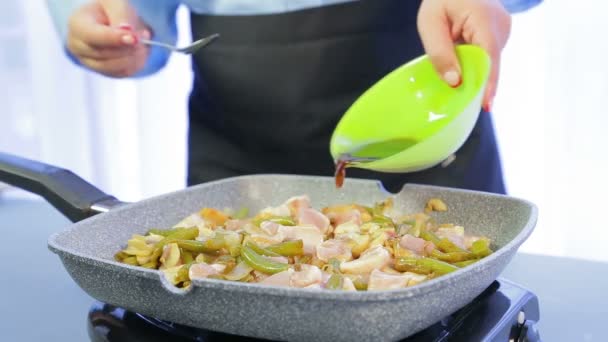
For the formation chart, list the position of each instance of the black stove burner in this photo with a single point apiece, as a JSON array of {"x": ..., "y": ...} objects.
[{"x": 503, "y": 312}]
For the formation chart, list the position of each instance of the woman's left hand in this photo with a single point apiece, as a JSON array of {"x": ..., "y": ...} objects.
[{"x": 485, "y": 23}]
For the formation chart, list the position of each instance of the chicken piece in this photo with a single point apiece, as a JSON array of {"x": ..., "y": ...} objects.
[
  {"x": 295, "y": 204},
  {"x": 379, "y": 237},
  {"x": 269, "y": 233},
  {"x": 202, "y": 270},
  {"x": 469, "y": 239},
  {"x": 310, "y": 216},
  {"x": 171, "y": 256},
  {"x": 454, "y": 234},
  {"x": 279, "y": 279},
  {"x": 270, "y": 228},
  {"x": 280, "y": 259},
  {"x": 339, "y": 214},
  {"x": 264, "y": 240},
  {"x": 236, "y": 225},
  {"x": 220, "y": 268},
  {"x": 358, "y": 243},
  {"x": 194, "y": 220},
  {"x": 282, "y": 210},
  {"x": 379, "y": 280},
  {"x": 337, "y": 249},
  {"x": 308, "y": 275},
  {"x": 416, "y": 245},
  {"x": 310, "y": 235},
  {"x": 373, "y": 258},
  {"x": 347, "y": 284},
  {"x": 153, "y": 239},
  {"x": 347, "y": 228}
]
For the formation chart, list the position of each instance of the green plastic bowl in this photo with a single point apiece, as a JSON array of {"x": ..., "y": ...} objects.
[{"x": 412, "y": 120}]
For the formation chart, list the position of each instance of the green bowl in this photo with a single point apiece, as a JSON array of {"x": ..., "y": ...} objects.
[{"x": 411, "y": 119}]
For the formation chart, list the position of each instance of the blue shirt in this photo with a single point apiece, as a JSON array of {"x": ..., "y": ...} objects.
[{"x": 160, "y": 15}]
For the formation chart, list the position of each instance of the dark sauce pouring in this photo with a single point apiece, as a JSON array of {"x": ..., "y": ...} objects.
[{"x": 369, "y": 152}]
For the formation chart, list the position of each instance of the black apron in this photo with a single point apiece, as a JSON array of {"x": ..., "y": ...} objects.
[{"x": 269, "y": 92}]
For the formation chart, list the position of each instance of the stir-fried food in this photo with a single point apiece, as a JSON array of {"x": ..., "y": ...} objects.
[{"x": 341, "y": 247}]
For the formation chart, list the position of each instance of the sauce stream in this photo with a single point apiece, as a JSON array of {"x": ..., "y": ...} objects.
[{"x": 370, "y": 152}]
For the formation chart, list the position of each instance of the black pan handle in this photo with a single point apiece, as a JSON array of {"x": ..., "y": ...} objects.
[{"x": 71, "y": 195}]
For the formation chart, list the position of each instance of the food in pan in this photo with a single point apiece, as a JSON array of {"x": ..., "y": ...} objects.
[{"x": 340, "y": 247}]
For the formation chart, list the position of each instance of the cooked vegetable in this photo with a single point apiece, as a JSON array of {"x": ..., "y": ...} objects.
[
  {"x": 426, "y": 264},
  {"x": 282, "y": 220},
  {"x": 260, "y": 263},
  {"x": 288, "y": 248},
  {"x": 335, "y": 282},
  {"x": 344, "y": 247},
  {"x": 435, "y": 204}
]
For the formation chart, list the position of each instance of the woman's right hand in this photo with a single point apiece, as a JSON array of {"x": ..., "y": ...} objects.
[{"x": 103, "y": 35}]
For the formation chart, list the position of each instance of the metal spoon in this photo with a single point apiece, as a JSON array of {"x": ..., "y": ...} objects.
[{"x": 188, "y": 50}]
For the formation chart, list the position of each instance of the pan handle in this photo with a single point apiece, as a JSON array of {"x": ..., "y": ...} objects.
[{"x": 71, "y": 195}]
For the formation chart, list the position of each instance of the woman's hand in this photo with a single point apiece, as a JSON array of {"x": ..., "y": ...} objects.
[
  {"x": 442, "y": 23},
  {"x": 103, "y": 36}
]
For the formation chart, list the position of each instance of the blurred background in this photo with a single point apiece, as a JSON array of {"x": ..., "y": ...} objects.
[{"x": 129, "y": 137}]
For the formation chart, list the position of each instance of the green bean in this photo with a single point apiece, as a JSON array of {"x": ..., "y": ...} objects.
[
  {"x": 481, "y": 248},
  {"x": 130, "y": 260},
  {"x": 183, "y": 274},
  {"x": 383, "y": 220},
  {"x": 452, "y": 257},
  {"x": 151, "y": 265},
  {"x": 335, "y": 282},
  {"x": 259, "y": 263},
  {"x": 404, "y": 264},
  {"x": 158, "y": 251},
  {"x": 167, "y": 232},
  {"x": 288, "y": 248},
  {"x": 208, "y": 246},
  {"x": 186, "y": 256},
  {"x": 360, "y": 283},
  {"x": 436, "y": 266},
  {"x": 429, "y": 236},
  {"x": 241, "y": 213},
  {"x": 176, "y": 234},
  {"x": 445, "y": 245},
  {"x": 120, "y": 256},
  {"x": 465, "y": 263},
  {"x": 282, "y": 220},
  {"x": 335, "y": 264},
  {"x": 261, "y": 251}
]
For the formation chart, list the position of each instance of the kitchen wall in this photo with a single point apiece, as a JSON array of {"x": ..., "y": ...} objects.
[{"x": 128, "y": 137}]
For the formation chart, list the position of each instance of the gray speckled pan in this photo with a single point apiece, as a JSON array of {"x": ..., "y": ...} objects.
[{"x": 86, "y": 249}]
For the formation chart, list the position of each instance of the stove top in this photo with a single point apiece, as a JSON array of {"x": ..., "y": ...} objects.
[{"x": 503, "y": 312}]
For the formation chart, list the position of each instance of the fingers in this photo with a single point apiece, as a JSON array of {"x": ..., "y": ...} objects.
[
  {"x": 487, "y": 42},
  {"x": 80, "y": 48},
  {"x": 88, "y": 25},
  {"x": 491, "y": 33},
  {"x": 109, "y": 50},
  {"x": 434, "y": 28},
  {"x": 122, "y": 66}
]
